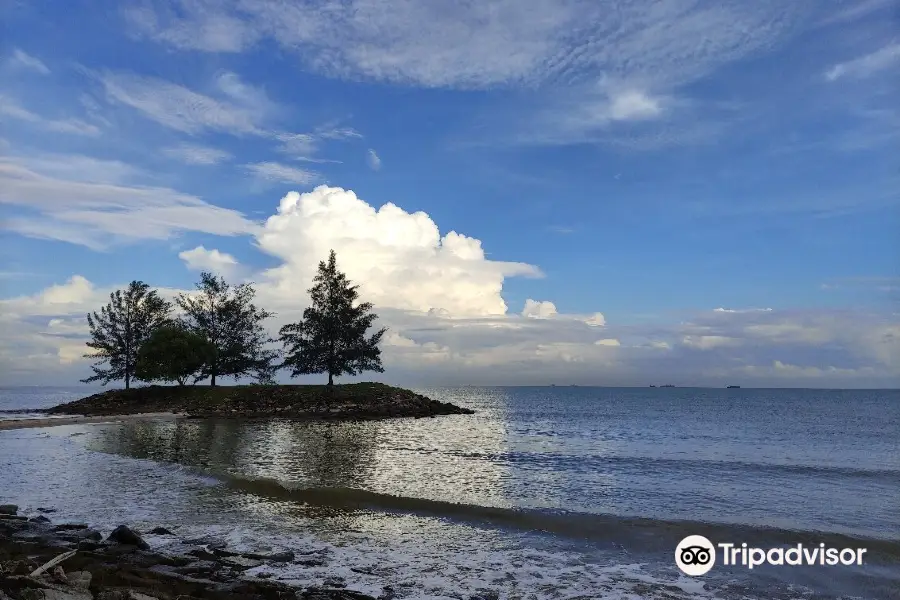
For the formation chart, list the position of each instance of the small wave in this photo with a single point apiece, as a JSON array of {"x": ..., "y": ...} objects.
[{"x": 644, "y": 534}]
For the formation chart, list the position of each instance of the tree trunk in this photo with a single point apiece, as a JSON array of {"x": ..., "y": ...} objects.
[
  {"x": 127, "y": 380},
  {"x": 212, "y": 379},
  {"x": 330, "y": 379}
]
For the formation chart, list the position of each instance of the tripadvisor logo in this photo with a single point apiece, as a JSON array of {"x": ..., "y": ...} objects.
[{"x": 695, "y": 555}]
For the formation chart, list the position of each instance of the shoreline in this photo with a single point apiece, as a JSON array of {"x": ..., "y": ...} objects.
[
  {"x": 12, "y": 424},
  {"x": 72, "y": 561}
]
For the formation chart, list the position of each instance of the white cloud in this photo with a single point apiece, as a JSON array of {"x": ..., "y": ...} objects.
[
  {"x": 538, "y": 310},
  {"x": 194, "y": 154},
  {"x": 182, "y": 109},
  {"x": 400, "y": 259},
  {"x": 201, "y": 259},
  {"x": 633, "y": 105},
  {"x": 93, "y": 203},
  {"x": 272, "y": 171},
  {"x": 11, "y": 109},
  {"x": 867, "y": 65},
  {"x": 373, "y": 159},
  {"x": 205, "y": 28},
  {"x": 481, "y": 45},
  {"x": 708, "y": 342},
  {"x": 21, "y": 60}
]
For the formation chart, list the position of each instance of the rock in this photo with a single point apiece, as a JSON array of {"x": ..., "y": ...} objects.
[
  {"x": 201, "y": 567},
  {"x": 70, "y": 526},
  {"x": 58, "y": 575},
  {"x": 123, "y": 535},
  {"x": 160, "y": 531},
  {"x": 311, "y": 562},
  {"x": 80, "y": 579},
  {"x": 387, "y": 593},
  {"x": 13, "y": 517},
  {"x": 325, "y": 594},
  {"x": 286, "y": 556},
  {"x": 39, "y": 519},
  {"x": 46, "y": 510},
  {"x": 88, "y": 545},
  {"x": 485, "y": 594},
  {"x": 8, "y": 509},
  {"x": 335, "y": 582},
  {"x": 241, "y": 562}
]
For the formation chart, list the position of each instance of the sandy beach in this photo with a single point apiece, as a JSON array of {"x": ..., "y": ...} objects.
[{"x": 80, "y": 420}]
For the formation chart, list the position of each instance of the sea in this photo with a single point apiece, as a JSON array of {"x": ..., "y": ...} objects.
[{"x": 543, "y": 493}]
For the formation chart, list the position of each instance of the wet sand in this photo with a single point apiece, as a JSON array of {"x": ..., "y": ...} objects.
[{"x": 81, "y": 420}]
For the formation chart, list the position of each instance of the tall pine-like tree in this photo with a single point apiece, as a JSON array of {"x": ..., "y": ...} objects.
[
  {"x": 119, "y": 330},
  {"x": 331, "y": 338},
  {"x": 226, "y": 317}
]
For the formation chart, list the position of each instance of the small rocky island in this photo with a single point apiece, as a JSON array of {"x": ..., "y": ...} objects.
[{"x": 357, "y": 401}]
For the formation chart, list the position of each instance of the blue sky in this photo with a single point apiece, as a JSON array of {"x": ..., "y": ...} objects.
[{"x": 648, "y": 161}]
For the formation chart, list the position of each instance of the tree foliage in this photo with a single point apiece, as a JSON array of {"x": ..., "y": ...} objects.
[
  {"x": 173, "y": 354},
  {"x": 226, "y": 317},
  {"x": 331, "y": 337},
  {"x": 119, "y": 330}
]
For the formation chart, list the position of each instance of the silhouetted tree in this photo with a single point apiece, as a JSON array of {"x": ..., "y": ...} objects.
[
  {"x": 331, "y": 338},
  {"x": 173, "y": 354},
  {"x": 120, "y": 329},
  {"x": 226, "y": 317}
]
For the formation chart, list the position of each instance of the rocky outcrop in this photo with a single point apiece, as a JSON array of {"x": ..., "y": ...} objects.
[
  {"x": 356, "y": 401},
  {"x": 39, "y": 561}
]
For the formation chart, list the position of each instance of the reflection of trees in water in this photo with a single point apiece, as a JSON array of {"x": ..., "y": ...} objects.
[{"x": 299, "y": 454}]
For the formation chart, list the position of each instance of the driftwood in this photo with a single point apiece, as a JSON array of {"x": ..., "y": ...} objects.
[{"x": 52, "y": 563}]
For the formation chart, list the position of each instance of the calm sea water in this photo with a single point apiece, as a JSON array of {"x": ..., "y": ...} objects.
[{"x": 563, "y": 492}]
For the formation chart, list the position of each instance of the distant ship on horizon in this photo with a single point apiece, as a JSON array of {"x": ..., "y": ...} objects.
[
  {"x": 667, "y": 385},
  {"x": 733, "y": 387}
]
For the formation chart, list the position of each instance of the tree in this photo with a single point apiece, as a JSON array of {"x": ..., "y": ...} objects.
[
  {"x": 226, "y": 317},
  {"x": 173, "y": 354},
  {"x": 120, "y": 329},
  {"x": 331, "y": 337}
]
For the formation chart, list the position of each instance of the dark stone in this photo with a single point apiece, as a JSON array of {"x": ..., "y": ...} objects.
[
  {"x": 123, "y": 535},
  {"x": 286, "y": 556},
  {"x": 335, "y": 582},
  {"x": 485, "y": 594},
  {"x": 160, "y": 531},
  {"x": 70, "y": 526},
  {"x": 326, "y": 594},
  {"x": 8, "y": 509},
  {"x": 46, "y": 510},
  {"x": 201, "y": 567},
  {"x": 387, "y": 593},
  {"x": 39, "y": 519},
  {"x": 311, "y": 562},
  {"x": 13, "y": 517},
  {"x": 87, "y": 545}
]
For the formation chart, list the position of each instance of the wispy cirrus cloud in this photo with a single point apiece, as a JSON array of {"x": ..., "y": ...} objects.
[
  {"x": 281, "y": 173},
  {"x": 195, "y": 154},
  {"x": 12, "y": 110},
  {"x": 21, "y": 60},
  {"x": 479, "y": 45},
  {"x": 179, "y": 108},
  {"x": 98, "y": 203},
  {"x": 865, "y": 66}
]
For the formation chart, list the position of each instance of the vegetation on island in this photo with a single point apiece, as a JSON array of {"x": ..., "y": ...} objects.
[{"x": 220, "y": 333}]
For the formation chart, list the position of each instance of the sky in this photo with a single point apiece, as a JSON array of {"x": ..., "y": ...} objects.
[{"x": 531, "y": 193}]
